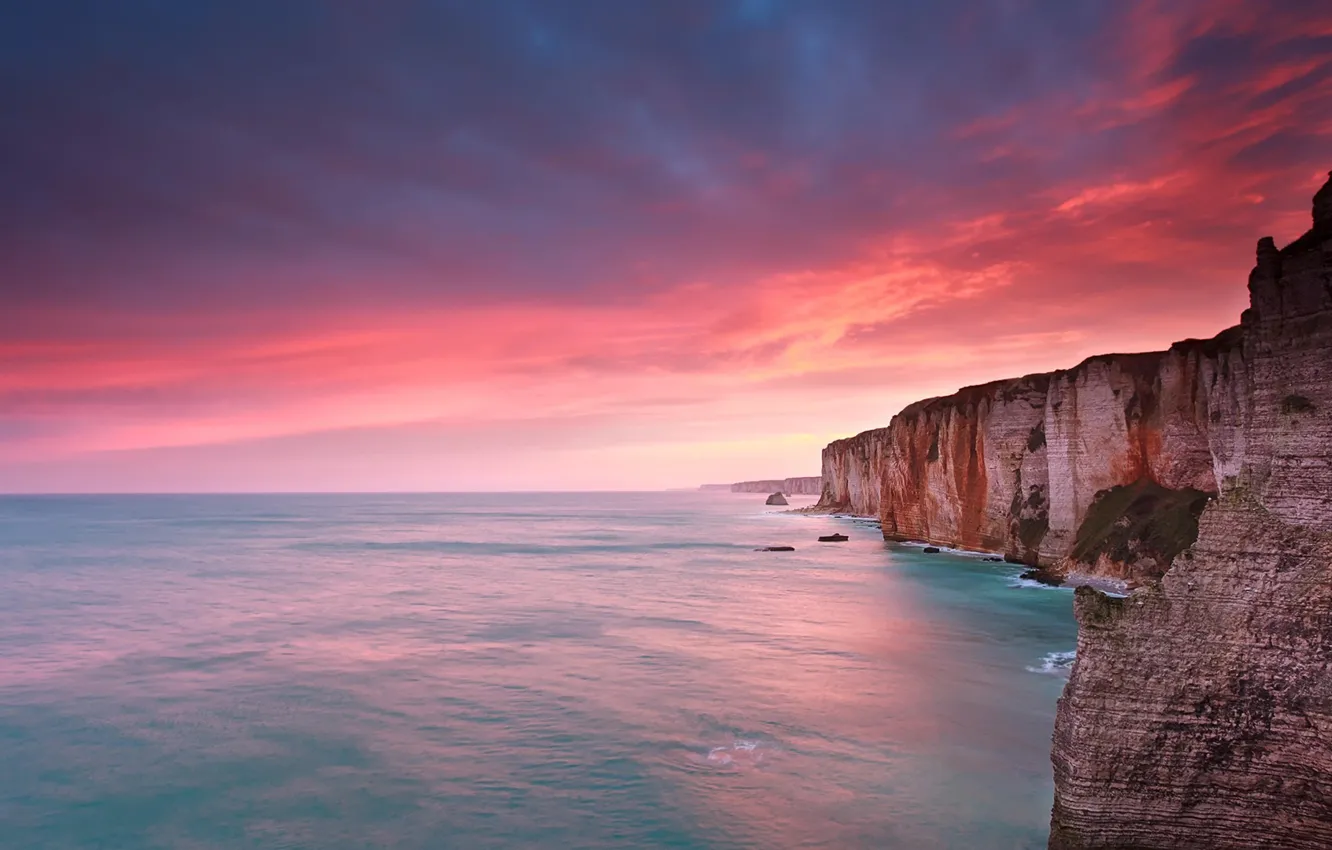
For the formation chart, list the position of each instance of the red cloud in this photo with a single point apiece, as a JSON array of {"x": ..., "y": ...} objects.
[{"x": 1121, "y": 215}]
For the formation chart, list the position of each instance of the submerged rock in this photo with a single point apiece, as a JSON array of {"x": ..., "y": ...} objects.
[
  {"x": 1044, "y": 576},
  {"x": 931, "y": 550},
  {"x": 777, "y": 499},
  {"x": 833, "y": 538}
]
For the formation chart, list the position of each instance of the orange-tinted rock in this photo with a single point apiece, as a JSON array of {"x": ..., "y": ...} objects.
[
  {"x": 1198, "y": 712},
  {"x": 1013, "y": 466}
]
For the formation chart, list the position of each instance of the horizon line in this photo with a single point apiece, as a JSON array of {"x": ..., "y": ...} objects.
[{"x": 8, "y": 493}]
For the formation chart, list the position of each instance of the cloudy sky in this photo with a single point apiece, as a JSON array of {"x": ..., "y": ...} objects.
[{"x": 600, "y": 244}]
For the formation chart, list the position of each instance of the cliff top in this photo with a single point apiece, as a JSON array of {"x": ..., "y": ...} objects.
[
  {"x": 1320, "y": 232},
  {"x": 1268, "y": 267},
  {"x": 1322, "y": 206}
]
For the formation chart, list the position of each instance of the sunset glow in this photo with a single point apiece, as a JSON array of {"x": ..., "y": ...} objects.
[{"x": 511, "y": 246}]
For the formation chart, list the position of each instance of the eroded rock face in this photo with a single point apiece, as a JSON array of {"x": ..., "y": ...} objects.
[
  {"x": 1198, "y": 713},
  {"x": 806, "y": 485},
  {"x": 1015, "y": 466},
  {"x": 853, "y": 474},
  {"x": 1199, "y": 710}
]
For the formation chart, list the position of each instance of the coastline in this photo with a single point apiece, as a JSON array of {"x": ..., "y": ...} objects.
[
  {"x": 1071, "y": 580},
  {"x": 1194, "y": 480}
]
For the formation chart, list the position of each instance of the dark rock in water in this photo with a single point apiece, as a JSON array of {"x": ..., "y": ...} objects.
[
  {"x": 1044, "y": 577},
  {"x": 995, "y": 559},
  {"x": 834, "y": 538},
  {"x": 931, "y": 550},
  {"x": 776, "y": 549},
  {"x": 777, "y": 499}
]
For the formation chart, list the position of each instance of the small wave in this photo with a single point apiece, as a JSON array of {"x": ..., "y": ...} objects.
[
  {"x": 740, "y": 753},
  {"x": 1055, "y": 663},
  {"x": 502, "y": 548},
  {"x": 1036, "y": 585},
  {"x": 947, "y": 550}
]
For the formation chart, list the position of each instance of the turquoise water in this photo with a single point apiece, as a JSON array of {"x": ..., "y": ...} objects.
[{"x": 526, "y": 671}]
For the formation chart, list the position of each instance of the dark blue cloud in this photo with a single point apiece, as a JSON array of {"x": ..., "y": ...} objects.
[{"x": 167, "y": 154}]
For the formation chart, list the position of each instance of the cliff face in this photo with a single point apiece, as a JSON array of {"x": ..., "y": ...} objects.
[
  {"x": 1199, "y": 710},
  {"x": 1017, "y": 466},
  {"x": 809, "y": 485},
  {"x": 853, "y": 472},
  {"x": 1041, "y": 467},
  {"x": 1198, "y": 713}
]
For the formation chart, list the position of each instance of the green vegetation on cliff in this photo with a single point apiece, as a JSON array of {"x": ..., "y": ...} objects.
[{"x": 1137, "y": 522}]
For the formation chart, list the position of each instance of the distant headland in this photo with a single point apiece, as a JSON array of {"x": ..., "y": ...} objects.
[{"x": 807, "y": 485}]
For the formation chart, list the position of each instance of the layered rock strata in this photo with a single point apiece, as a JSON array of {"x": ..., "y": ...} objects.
[
  {"x": 1198, "y": 713},
  {"x": 809, "y": 485},
  {"x": 1017, "y": 466},
  {"x": 853, "y": 473}
]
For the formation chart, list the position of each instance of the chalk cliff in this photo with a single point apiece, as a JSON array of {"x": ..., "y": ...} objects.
[
  {"x": 853, "y": 473},
  {"x": 809, "y": 485},
  {"x": 1198, "y": 713},
  {"x": 1199, "y": 709},
  {"x": 1033, "y": 467}
]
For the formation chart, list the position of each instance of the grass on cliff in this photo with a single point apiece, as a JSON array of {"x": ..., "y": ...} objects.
[
  {"x": 1036, "y": 440},
  {"x": 1140, "y": 519},
  {"x": 1297, "y": 404}
]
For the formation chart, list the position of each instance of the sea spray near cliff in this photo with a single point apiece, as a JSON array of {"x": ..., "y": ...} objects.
[{"x": 1056, "y": 663}]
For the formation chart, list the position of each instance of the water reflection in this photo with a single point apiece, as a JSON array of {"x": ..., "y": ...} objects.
[{"x": 510, "y": 671}]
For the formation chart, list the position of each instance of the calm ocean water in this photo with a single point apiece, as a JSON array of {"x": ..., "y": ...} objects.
[{"x": 525, "y": 671}]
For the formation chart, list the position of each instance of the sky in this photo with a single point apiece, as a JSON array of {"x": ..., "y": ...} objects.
[{"x": 542, "y": 245}]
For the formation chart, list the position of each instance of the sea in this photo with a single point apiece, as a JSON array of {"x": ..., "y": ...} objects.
[{"x": 542, "y": 670}]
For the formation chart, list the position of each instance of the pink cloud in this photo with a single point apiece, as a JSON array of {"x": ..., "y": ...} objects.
[{"x": 1068, "y": 251}]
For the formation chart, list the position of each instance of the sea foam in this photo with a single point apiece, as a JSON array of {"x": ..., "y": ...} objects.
[
  {"x": 1055, "y": 663},
  {"x": 740, "y": 752}
]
